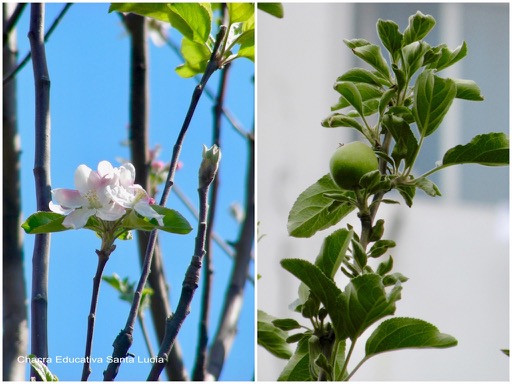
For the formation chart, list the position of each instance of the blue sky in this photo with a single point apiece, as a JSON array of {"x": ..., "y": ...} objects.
[{"x": 89, "y": 70}]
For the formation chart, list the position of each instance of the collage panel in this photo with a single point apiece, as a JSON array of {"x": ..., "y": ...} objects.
[{"x": 383, "y": 191}]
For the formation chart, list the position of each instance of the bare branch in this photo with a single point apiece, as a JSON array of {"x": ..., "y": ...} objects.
[
  {"x": 125, "y": 339},
  {"x": 234, "y": 296},
  {"x": 25, "y": 60},
  {"x": 190, "y": 282},
  {"x": 41, "y": 253}
]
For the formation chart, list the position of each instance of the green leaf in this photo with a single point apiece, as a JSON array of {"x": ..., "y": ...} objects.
[
  {"x": 367, "y": 302},
  {"x": 313, "y": 212},
  {"x": 491, "y": 149},
  {"x": 272, "y": 338},
  {"x": 173, "y": 221},
  {"x": 339, "y": 363},
  {"x": 468, "y": 90},
  {"x": 372, "y": 55},
  {"x": 406, "y": 143},
  {"x": 351, "y": 93},
  {"x": 286, "y": 324},
  {"x": 158, "y": 11},
  {"x": 336, "y": 120},
  {"x": 193, "y": 20},
  {"x": 240, "y": 11},
  {"x": 44, "y": 222},
  {"x": 322, "y": 287},
  {"x": 419, "y": 27},
  {"x": 196, "y": 57},
  {"x": 333, "y": 252},
  {"x": 360, "y": 75},
  {"x": 246, "y": 41},
  {"x": 448, "y": 57},
  {"x": 297, "y": 368},
  {"x": 403, "y": 332},
  {"x": 413, "y": 56},
  {"x": 380, "y": 247},
  {"x": 274, "y": 9},
  {"x": 391, "y": 37},
  {"x": 427, "y": 186},
  {"x": 41, "y": 369},
  {"x": 433, "y": 97},
  {"x": 359, "y": 254}
]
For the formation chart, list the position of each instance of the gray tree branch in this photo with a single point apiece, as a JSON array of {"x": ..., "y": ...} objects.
[{"x": 41, "y": 255}]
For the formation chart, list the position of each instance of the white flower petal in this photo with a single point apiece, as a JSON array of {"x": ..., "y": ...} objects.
[
  {"x": 68, "y": 198},
  {"x": 105, "y": 168},
  {"x": 144, "y": 209},
  {"x": 58, "y": 209},
  {"x": 82, "y": 175},
  {"x": 126, "y": 175},
  {"x": 78, "y": 218},
  {"x": 112, "y": 214}
]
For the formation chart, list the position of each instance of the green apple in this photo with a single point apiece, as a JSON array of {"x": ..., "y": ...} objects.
[{"x": 350, "y": 162}]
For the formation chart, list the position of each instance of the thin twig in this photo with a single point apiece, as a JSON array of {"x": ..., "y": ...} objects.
[
  {"x": 190, "y": 284},
  {"x": 233, "y": 303},
  {"x": 237, "y": 125},
  {"x": 103, "y": 256},
  {"x": 25, "y": 60},
  {"x": 199, "y": 371},
  {"x": 41, "y": 255},
  {"x": 124, "y": 340},
  {"x": 13, "y": 19}
]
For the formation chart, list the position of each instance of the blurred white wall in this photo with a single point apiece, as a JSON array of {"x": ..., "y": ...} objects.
[{"x": 454, "y": 249}]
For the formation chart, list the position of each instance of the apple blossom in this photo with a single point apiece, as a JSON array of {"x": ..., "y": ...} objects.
[
  {"x": 90, "y": 197},
  {"x": 129, "y": 195},
  {"x": 105, "y": 193}
]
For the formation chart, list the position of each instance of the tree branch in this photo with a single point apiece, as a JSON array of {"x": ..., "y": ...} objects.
[
  {"x": 190, "y": 282},
  {"x": 139, "y": 132},
  {"x": 41, "y": 255},
  {"x": 125, "y": 339},
  {"x": 234, "y": 297},
  {"x": 15, "y": 330},
  {"x": 200, "y": 363},
  {"x": 27, "y": 57}
]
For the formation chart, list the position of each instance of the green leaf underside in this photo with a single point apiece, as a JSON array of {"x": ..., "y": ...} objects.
[
  {"x": 433, "y": 97},
  {"x": 367, "y": 302},
  {"x": 322, "y": 287},
  {"x": 297, "y": 368},
  {"x": 491, "y": 149},
  {"x": 401, "y": 332},
  {"x": 158, "y": 11},
  {"x": 333, "y": 252},
  {"x": 41, "y": 369},
  {"x": 312, "y": 211},
  {"x": 271, "y": 337}
]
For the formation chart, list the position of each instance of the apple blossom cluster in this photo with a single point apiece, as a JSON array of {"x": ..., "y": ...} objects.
[{"x": 106, "y": 193}]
